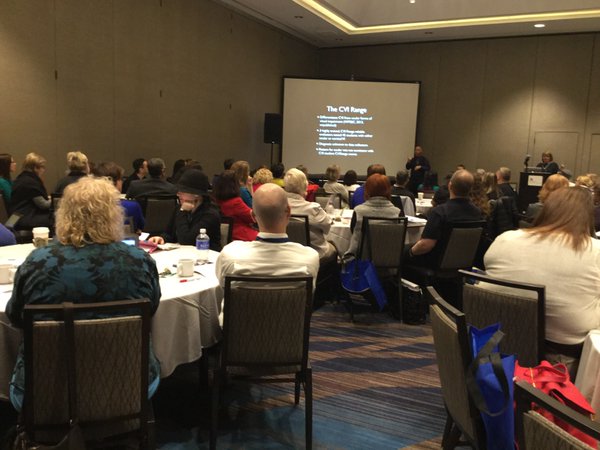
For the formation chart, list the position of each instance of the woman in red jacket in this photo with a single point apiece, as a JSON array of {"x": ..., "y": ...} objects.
[{"x": 227, "y": 195}]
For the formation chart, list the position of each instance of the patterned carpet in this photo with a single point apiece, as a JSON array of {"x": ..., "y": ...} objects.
[{"x": 375, "y": 387}]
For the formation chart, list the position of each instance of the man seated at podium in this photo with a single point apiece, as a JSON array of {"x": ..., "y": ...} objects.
[{"x": 548, "y": 164}]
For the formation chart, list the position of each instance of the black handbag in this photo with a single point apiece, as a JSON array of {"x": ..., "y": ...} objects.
[{"x": 73, "y": 440}]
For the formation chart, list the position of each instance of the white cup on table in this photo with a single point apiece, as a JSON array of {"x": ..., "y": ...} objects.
[
  {"x": 40, "y": 236},
  {"x": 421, "y": 195},
  {"x": 6, "y": 270},
  {"x": 185, "y": 267}
]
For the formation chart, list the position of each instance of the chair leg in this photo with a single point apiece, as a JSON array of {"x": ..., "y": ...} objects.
[
  {"x": 452, "y": 433},
  {"x": 214, "y": 379},
  {"x": 297, "y": 388},
  {"x": 308, "y": 407}
]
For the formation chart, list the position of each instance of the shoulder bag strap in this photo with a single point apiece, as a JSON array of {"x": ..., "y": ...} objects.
[{"x": 71, "y": 377}]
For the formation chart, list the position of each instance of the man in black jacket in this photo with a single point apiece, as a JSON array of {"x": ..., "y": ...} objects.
[
  {"x": 154, "y": 185},
  {"x": 418, "y": 166}
]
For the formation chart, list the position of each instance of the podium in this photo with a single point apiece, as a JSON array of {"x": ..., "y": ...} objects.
[{"x": 530, "y": 183}]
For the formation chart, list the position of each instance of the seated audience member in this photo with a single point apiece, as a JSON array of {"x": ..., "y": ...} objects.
[
  {"x": 584, "y": 181},
  {"x": 227, "y": 195},
  {"x": 227, "y": 163},
  {"x": 261, "y": 176},
  {"x": 457, "y": 209},
  {"x": 7, "y": 167},
  {"x": 311, "y": 188},
  {"x": 195, "y": 211},
  {"x": 242, "y": 174},
  {"x": 140, "y": 170},
  {"x": 418, "y": 166},
  {"x": 278, "y": 171},
  {"x": 559, "y": 253},
  {"x": 377, "y": 204},
  {"x": 271, "y": 254},
  {"x": 491, "y": 185},
  {"x": 331, "y": 186},
  {"x": 86, "y": 264},
  {"x": 177, "y": 166},
  {"x": 318, "y": 220},
  {"x": 399, "y": 187},
  {"x": 460, "y": 167},
  {"x": 29, "y": 197},
  {"x": 442, "y": 195},
  {"x": 78, "y": 167},
  {"x": 430, "y": 183},
  {"x": 154, "y": 185},
  {"x": 547, "y": 163},
  {"x": 504, "y": 187},
  {"x": 359, "y": 194},
  {"x": 6, "y": 236},
  {"x": 351, "y": 180},
  {"x": 132, "y": 209},
  {"x": 552, "y": 183}
]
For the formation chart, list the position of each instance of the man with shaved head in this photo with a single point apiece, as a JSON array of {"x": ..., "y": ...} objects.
[
  {"x": 272, "y": 254},
  {"x": 458, "y": 209}
]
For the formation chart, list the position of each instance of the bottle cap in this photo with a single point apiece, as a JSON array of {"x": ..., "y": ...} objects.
[{"x": 202, "y": 230}]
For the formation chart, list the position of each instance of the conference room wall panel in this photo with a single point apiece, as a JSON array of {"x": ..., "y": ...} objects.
[
  {"x": 85, "y": 82},
  {"x": 486, "y": 100},
  {"x": 175, "y": 79},
  {"x": 591, "y": 139},
  {"x": 458, "y": 109},
  {"x": 28, "y": 88},
  {"x": 137, "y": 80},
  {"x": 507, "y": 100}
]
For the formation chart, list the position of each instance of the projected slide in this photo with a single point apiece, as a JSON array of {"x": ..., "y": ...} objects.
[{"x": 348, "y": 123}]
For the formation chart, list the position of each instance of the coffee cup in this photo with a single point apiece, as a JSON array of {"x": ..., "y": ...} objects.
[
  {"x": 421, "y": 195},
  {"x": 40, "y": 236},
  {"x": 5, "y": 272},
  {"x": 185, "y": 267}
]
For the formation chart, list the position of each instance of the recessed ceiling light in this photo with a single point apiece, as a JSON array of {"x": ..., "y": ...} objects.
[
  {"x": 298, "y": 17},
  {"x": 412, "y": 2},
  {"x": 539, "y": 25}
]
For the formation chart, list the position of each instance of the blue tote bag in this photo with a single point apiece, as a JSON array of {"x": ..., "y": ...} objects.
[{"x": 490, "y": 383}]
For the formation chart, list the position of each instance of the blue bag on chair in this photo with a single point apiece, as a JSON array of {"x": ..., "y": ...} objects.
[
  {"x": 360, "y": 278},
  {"x": 490, "y": 383}
]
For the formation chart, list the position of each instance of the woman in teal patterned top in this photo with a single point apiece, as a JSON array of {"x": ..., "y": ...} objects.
[
  {"x": 7, "y": 167},
  {"x": 87, "y": 264}
]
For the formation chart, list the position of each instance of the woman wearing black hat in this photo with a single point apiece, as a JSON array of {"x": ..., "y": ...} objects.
[{"x": 196, "y": 211}]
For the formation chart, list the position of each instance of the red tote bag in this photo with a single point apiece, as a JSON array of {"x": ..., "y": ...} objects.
[{"x": 554, "y": 381}]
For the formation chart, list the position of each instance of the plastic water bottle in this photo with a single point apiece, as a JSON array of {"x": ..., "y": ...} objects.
[
  {"x": 329, "y": 209},
  {"x": 202, "y": 245}
]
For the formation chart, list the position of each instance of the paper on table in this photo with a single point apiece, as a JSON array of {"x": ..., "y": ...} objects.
[{"x": 416, "y": 219}]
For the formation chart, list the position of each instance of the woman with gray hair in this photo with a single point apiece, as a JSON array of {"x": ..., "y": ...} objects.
[
  {"x": 318, "y": 221},
  {"x": 78, "y": 167},
  {"x": 332, "y": 186}
]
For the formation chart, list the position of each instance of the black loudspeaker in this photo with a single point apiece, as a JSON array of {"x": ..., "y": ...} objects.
[{"x": 273, "y": 127}]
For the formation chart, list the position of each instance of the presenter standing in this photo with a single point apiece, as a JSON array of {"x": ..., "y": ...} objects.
[
  {"x": 548, "y": 164},
  {"x": 418, "y": 166}
]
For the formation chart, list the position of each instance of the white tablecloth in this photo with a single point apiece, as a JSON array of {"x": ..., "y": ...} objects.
[
  {"x": 187, "y": 318},
  {"x": 588, "y": 373},
  {"x": 423, "y": 206},
  {"x": 340, "y": 233}
]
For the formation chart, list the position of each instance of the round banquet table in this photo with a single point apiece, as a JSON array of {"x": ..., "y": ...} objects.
[{"x": 186, "y": 320}]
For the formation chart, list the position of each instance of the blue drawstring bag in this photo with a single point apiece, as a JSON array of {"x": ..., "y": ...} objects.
[
  {"x": 360, "y": 280},
  {"x": 490, "y": 383}
]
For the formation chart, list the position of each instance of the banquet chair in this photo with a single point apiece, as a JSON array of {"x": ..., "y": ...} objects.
[
  {"x": 323, "y": 198},
  {"x": 397, "y": 202},
  {"x": 226, "y": 230},
  {"x": 534, "y": 431},
  {"x": 265, "y": 336},
  {"x": 298, "y": 229},
  {"x": 382, "y": 243},
  {"x": 458, "y": 247},
  {"x": 3, "y": 210},
  {"x": 158, "y": 212},
  {"x": 453, "y": 355},
  {"x": 107, "y": 360},
  {"x": 520, "y": 309}
]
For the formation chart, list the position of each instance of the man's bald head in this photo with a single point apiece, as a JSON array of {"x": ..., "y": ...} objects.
[
  {"x": 270, "y": 208},
  {"x": 461, "y": 183}
]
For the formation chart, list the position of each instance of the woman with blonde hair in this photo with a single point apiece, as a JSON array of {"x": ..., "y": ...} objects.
[
  {"x": 29, "y": 196},
  {"x": 87, "y": 263},
  {"x": 261, "y": 176},
  {"x": 242, "y": 174},
  {"x": 560, "y": 253},
  {"x": 78, "y": 166},
  {"x": 552, "y": 183}
]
